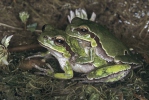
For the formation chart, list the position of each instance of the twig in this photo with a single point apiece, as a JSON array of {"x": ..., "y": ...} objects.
[
  {"x": 25, "y": 48},
  {"x": 16, "y": 28},
  {"x": 2, "y": 24}
]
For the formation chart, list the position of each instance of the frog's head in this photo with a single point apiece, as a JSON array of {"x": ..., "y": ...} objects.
[
  {"x": 54, "y": 39},
  {"x": 82, "y": 29}
]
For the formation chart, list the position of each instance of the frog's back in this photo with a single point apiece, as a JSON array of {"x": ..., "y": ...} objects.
[
  {"x": 112, "y": 45},
  {"x": 105, "y": 40}
]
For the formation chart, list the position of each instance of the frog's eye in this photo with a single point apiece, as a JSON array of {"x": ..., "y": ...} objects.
[
  {"x": 59, "y": 41},
  {"x": 83, "y": 29}
]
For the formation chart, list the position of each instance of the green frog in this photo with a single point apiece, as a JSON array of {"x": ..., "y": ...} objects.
[
  {"x": 104, "y": 45},
  {"x": 60, "y": 46},
  {"x": 55, "y": 41}
]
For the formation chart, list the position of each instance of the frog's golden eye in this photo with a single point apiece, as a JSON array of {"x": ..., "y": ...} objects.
[
  {"x": 83, "y": 29},
  {"x": 59, "y": 41}
]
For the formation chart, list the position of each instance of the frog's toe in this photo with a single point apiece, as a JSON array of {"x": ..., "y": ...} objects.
[
  {"x": 39, "y": 68},
  {"x": 44, "y": 71},
  {"x": 49, "y": 66}
]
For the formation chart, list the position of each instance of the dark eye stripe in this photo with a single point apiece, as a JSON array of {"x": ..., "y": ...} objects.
[
  {"x": 82, "y": 30},
  {"x": 64, "y": 44}
]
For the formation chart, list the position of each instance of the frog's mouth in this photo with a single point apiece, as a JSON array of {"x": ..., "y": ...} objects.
[
  {"x": 47, "y": 47},
  {"x": 61, "y": 53},
  {"x": 54, "y": 52},
  {"x": 44, "y": 46}
]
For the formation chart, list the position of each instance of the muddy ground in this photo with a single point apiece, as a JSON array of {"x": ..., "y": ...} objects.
[{"x": 127, "y": 20}]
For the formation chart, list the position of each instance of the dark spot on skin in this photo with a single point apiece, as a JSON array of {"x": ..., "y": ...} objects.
[
  {"x": 43, "y": 27},
  {"x": 125, "y": 52}
]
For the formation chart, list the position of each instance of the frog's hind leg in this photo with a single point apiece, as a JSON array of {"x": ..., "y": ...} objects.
[{"x": 109, "y": 73}]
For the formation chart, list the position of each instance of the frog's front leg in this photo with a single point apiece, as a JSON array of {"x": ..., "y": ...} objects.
[
  {"x": 85, "y": 53},
  {"x": 41, "y": 54},
  {"x": 43, "y": 70},
  {"x": 109, "y": 73},
  {"x": 68, "y": 72},
  {"x": 89, "y": 59}
]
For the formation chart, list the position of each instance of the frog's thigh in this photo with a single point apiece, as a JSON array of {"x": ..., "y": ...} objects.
[{"x": 110, "y": 73}]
